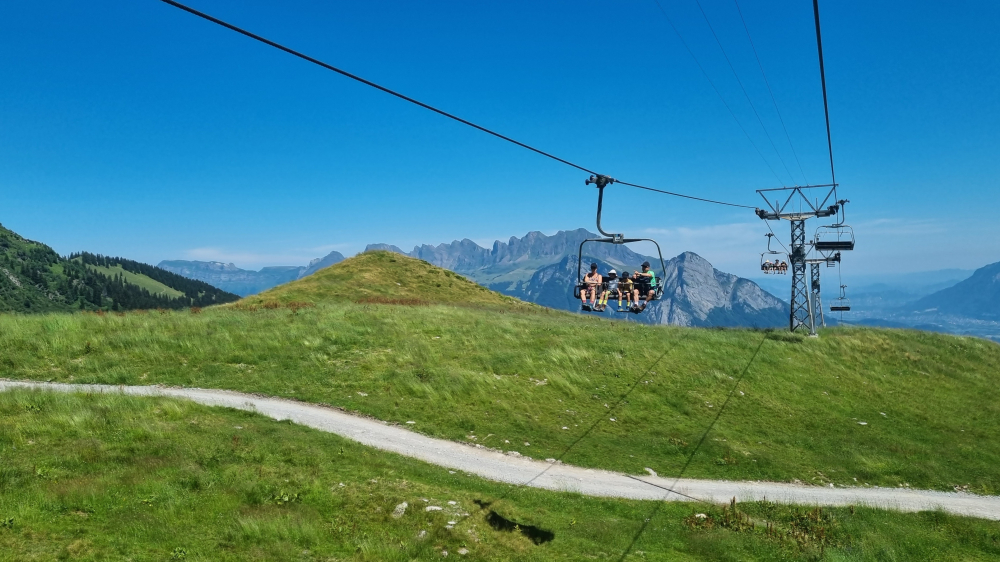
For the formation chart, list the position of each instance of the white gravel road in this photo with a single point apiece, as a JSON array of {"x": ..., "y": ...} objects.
[{"x": 509, "y": 468}]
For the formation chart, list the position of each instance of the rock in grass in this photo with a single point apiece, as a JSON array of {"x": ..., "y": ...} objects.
[{"x": 400, "y": 510}]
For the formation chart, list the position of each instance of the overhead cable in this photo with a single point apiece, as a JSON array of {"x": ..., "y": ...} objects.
[
  {"x": 768, "y": 84},
  {"x": 745, "y": 94},
  {"x": 822, "y": 77},
  {"x": 432, "y": 108},
  {"x": 370, "y": 83},
  {"x": 717, "y": 92},
  {"x": 768, "y": 223},
  {"x": 684, "y": 196}
]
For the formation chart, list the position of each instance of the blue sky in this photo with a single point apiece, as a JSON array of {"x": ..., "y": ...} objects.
[{"x": 131, "y": 128}]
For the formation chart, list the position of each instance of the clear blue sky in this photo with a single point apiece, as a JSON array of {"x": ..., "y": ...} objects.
[{"x": 132, "y": 128}]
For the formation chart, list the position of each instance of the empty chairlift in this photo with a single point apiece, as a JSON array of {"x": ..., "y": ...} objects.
[
  {"x": 842, "y": 304},
  {"x": 834, "y": 238},
  {"x": 837, "y": 237}
]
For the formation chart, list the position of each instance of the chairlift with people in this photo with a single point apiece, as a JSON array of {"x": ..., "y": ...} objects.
[
  {"x": 647, "y": 285},
  {"x": 778, "y": 267}
]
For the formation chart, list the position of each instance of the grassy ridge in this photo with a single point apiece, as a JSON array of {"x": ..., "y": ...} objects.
[
  {"x": 151, "y": 285},
  {"x": 386, "y": 277},
  {"x": 113, "y": 477},
  {"x": 536, "y": 382}
]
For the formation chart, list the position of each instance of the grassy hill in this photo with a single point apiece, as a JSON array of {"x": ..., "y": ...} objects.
[
  {"x": 154, "y": 287},
  {"x": 855, "y": 407},
  {"x": 34, "y": 278},
  {"x": 382, "y": 277},
  {"x": 120, "y": 478}
]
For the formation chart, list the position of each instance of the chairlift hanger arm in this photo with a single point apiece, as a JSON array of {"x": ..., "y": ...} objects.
[{"x": 601, "y": 182}]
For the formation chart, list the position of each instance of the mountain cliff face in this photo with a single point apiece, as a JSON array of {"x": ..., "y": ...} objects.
[
  {"x": 245, "y": 282},
  {"x": 384, "y": 248},
  {"x": 505, "y": 264},
  {"x": 319, "y": 263},
  {"x": 697, "y": 294},
  {"x": 694, "y": 294},
  {"x": 977, "y": 297},
  {"x": 543, "y": 269}
]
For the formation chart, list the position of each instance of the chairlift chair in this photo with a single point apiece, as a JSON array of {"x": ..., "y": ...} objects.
[
  {"x": 601, "y": 182},
  {"x": 775, "y": 269},
  {"x": 834, "y": 238},
  {"x": 842, "y": 304},
  {"x": 837, "y": 237}
]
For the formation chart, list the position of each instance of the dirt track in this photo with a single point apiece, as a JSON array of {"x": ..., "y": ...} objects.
[{"x": 540, "y": 474}]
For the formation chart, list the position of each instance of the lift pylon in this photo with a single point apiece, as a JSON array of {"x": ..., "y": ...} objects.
[{"x": 796, "y": 208}]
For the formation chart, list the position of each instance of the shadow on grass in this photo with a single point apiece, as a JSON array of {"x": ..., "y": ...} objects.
[{"x": 501, "y": 523}]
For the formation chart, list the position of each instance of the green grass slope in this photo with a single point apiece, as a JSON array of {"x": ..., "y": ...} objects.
[
  {"x": 385, "y": 277},
  {"x": 854, "y": 407},
  {"x": 120, "y": 478},
  {"x": 153, "y": 286},
  {"x": 34, "y": 278}
]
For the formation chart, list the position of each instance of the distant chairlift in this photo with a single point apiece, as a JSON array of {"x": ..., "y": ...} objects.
[
  {"x": 601, "y": 182},
  {"x": 837, "y": 237},
  {"x": 766, "y": 265},
  {"x": 842, "y": 304}
]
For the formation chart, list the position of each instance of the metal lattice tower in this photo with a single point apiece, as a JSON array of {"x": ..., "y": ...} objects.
[
  {"x": 817, "y": 298},
  {"x": 800, "y": 297},
  {"x": 806, "y": 302}
]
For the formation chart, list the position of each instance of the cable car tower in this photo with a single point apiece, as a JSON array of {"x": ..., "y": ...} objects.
[
  {"x": 796, "y": 208},
  {"x": 801, "y": 204}
]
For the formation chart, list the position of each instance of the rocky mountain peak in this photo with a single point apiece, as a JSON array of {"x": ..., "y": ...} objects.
[{"x": 384, "y": 247}]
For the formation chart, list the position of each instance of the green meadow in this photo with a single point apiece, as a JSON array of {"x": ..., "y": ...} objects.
[
  {"x": 399, "y": 340},
  {"x": 151, "y": 285},
  {"x": 108, "y": 477}
]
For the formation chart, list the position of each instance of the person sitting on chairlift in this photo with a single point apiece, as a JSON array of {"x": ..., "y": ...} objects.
[
  {"x": 766, "y": 267},
  {"x": 625, "y": 287},
  {"x": 783, "y": 267},
  {"x": 591, "y": 283},
  {"x": 610, "y": 288},
  {"x": 645, "y": 280}
]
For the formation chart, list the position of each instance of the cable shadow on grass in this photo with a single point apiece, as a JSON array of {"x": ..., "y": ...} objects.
[
  {"x": 704, "y": 436},
  {"x": 539, "y": 536},
  {"x": 600, "y": 419}
]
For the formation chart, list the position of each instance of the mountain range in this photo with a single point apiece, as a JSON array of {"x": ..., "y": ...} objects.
[
  {"x": 543, "y": 269},
  {"x": 952, "y": 301},
  {"x": 977, "y": 297},
  {"x": 245, "y": 282}
]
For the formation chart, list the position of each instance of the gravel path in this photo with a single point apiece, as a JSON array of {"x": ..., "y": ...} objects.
[{"x": 502, "y": 467}]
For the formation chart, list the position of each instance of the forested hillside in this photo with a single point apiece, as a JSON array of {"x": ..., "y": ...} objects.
[{"x": 34, "y": 278}]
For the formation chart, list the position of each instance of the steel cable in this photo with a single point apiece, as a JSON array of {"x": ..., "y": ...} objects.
[
  {"x": 704, "y": 436},
  {"x": 822, "y": 77},
  {"x": 768, "y": 84},
  {"x": 430, "y": 107},
  {"x": 745, "y": 94},
  {"x": 716, "y": 89}
]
